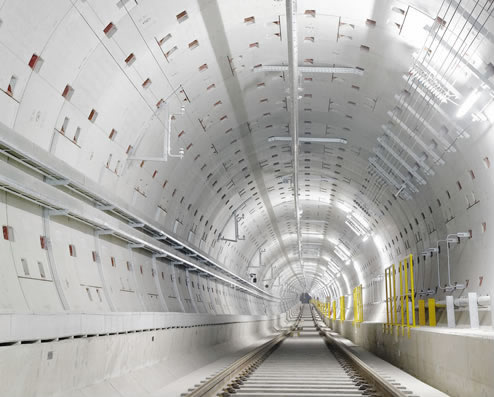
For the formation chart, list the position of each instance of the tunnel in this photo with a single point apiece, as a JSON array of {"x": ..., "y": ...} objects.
[{"x": 231, "y": 197}]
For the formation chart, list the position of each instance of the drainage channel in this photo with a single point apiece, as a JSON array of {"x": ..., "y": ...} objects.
[{"x": 301, "y": 364}]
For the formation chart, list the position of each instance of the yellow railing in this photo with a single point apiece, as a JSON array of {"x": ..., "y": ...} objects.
[
  {"x": 405, "y": 317},
  {"x": 358, "y": 306},
  {"x": 400, "y": 301},
  {"x": 328, "y": 309},
  {"x": 323, "y": 308}
]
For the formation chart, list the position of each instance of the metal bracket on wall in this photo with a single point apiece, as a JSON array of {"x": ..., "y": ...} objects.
[{"x": 236, "y": 219}]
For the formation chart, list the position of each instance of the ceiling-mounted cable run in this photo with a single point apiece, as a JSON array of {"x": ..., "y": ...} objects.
[{"x": 291, "y": 27}]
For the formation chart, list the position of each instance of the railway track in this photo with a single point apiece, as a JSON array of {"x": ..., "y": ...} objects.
[{"x": 302, "y": 362}]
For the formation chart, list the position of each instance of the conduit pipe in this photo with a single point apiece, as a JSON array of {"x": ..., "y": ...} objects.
[
  {"x": 308, "y": 139},
  {"x": 291, "y": 27},
  {"x": 450, "y": 238},
  {"x": 484, "y": 301}
]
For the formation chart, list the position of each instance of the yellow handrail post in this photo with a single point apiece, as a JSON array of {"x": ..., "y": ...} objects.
[
  {"x": 390, "y": 326},
  {"x": 401, "y": 301},
  {"x": 432, "y": 312},
  {"x": 405, "y": 265},
  {"x": 387, "y": 306},
  {"x": 361, "y": 304},
  {"x": 412, "y": 292},
  {"x": 334, "y": 310},
  {"x": 342, "y": 308},
  {"x": 394, "y": 296},
  {"x": 358, "y": 314},
  {"x": 421, "y": 312}
]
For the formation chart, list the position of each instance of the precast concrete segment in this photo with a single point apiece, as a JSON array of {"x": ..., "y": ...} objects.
[{"x": 303, "y": 366}]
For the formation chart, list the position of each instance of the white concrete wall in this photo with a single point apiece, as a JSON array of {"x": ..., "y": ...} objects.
[
  {"x": 137, "y": 363},
  {"x": 101, "y": 275},
  {"x": 457, "y": 362}
]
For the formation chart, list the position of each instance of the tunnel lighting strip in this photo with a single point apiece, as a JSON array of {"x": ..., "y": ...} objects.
[{"x": 25, "y": 152}]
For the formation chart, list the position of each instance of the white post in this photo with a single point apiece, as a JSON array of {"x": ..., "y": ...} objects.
[
  {"x": 450, "y": 311},
  {"x": 473, "y": 310},
  {"x": 492, "y": 310}
]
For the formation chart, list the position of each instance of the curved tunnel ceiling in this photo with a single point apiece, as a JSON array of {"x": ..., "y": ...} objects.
[{"x": 109, "y": 75}]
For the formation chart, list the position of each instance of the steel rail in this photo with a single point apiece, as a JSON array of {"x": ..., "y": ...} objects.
[
  {"x": 242, "y": 373},
  {"x": 381, "y": 383},
  {"x": 213, "y": 385}
]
